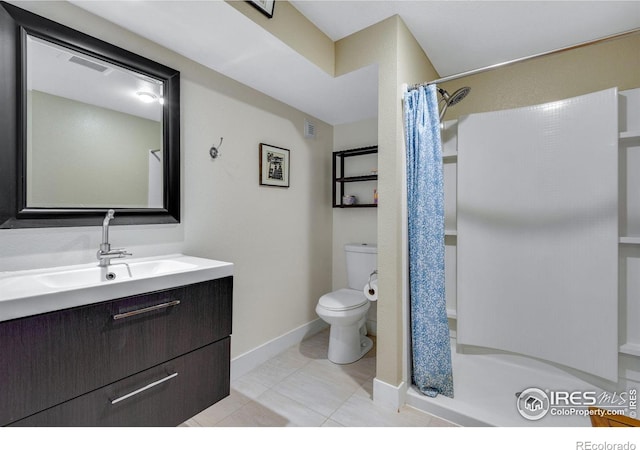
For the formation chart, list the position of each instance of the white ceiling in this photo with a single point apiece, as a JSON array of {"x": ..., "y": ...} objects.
[{"x": 456, "y": 36}]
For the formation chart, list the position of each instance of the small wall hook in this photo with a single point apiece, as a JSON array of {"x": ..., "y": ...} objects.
[{"x": 215, "y": 151}]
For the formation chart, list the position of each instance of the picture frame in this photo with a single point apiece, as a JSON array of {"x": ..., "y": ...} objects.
[
  {"x": 266, "y": 7},
  {"x": 274, "y": 166}
]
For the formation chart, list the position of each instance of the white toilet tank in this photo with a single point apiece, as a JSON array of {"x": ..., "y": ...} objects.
[{"x": 362, "y": 259}]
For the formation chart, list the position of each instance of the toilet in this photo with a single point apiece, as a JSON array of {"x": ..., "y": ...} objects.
[{"x": 345, "y": 310}]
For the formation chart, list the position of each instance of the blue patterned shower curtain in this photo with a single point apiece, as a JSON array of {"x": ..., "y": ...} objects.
[{"x": 431, "y": 352}]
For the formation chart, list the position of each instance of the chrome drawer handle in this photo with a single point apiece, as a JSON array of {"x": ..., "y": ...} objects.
[
  {"x": 142, "y": 389},
  {"x": 146, "y": 310}
]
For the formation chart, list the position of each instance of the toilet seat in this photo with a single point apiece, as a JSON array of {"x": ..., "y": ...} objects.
[{"x": 343, "y": 300}]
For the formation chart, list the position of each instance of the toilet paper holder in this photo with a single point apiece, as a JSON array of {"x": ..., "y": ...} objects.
[{"x": 371, "y": 291}]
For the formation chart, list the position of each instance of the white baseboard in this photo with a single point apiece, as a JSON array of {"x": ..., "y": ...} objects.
[
  {"x": 389, "y": 396},
  {"x": 248, "y": 361}
]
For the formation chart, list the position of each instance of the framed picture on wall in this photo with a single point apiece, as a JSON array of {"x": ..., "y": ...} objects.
[
  {"x": 264, "y": 6},
  {"x": 274, "y": 166}
]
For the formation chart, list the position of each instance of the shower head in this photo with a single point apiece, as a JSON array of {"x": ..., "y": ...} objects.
[
  {"x": 452, "y": 99},
  {"x": 458, "y": 95}
]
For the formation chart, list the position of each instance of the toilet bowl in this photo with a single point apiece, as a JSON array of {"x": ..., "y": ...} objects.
[{"x": 345, "y": 310}]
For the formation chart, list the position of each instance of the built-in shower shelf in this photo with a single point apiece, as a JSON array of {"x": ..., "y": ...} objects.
[
  {"x": 630, "y": 349},
  {"x": 449, "y": 158},
  {"x": 449, "y": 232},
  {"x": 452, "y": 313},
  {"x": 630, "y": 135},
  {"x": 630, "y": 239}
]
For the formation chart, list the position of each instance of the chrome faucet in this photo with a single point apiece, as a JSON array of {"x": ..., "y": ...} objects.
[{"x": 106, "y": 254}]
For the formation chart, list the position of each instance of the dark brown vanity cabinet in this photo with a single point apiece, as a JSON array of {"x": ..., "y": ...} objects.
[{"x": 154, "y": 359}]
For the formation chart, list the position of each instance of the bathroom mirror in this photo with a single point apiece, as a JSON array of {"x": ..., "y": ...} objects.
[{"x": 85, "y": 127}]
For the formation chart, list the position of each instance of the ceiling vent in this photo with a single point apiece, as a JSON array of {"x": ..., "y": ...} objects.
[
  {"x": 309, "y": 129},
  {"x": 90, "y": 64}
]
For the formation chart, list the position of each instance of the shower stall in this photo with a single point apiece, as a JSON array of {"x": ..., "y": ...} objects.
[{"x": 532, "y": 260}]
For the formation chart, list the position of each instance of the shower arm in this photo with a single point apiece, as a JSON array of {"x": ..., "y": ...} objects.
[
  {"x": 444, "y": 109},
  {"x": 445, "y": 99}
]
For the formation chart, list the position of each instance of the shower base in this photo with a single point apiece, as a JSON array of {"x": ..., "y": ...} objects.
[{"x": 485, "y": 387}]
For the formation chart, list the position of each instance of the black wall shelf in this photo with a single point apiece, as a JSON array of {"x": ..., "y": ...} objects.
[{"x": 339, "y": 180}]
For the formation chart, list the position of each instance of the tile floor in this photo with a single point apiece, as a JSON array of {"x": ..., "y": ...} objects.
[{"x": 301, "y": 388}]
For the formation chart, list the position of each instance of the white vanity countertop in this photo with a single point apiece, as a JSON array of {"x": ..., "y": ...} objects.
[{"x": 29, "y": 292}]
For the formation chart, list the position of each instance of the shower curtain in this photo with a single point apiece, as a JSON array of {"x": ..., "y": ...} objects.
[{"x": 430, "y": 346}]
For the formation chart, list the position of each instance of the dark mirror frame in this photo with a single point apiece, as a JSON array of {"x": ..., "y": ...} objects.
[{"x": 15, "y": 24}]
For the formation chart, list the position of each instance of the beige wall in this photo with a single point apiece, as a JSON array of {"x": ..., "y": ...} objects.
[
  {"x": 553, "y": 77},
  {"x": 279, "y": 239},
  {"x": 390, "y": 45},
  {"x": 356, "y": 225}
]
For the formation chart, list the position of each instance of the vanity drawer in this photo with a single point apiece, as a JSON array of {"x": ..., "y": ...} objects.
[
  {"x": 50, "y": 358},
  {"x": 165, "y": 395}
]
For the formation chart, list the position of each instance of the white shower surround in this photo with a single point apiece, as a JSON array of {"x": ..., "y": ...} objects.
[
  {"x": 538, "y": 232},
  {"x": 486, "y": 381}
]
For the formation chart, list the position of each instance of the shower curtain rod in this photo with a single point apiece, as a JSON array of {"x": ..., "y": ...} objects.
[{"x": 525, "y": 58}]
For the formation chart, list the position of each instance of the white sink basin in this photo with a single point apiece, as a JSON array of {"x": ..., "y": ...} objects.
[
  {"x": 117, "y": 271},
  {"x": 29, "y": 292}
]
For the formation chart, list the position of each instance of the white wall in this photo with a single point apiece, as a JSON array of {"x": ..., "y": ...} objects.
[
  {"x": 279, "y": 239},
  {"x": 354, "y": 225}
]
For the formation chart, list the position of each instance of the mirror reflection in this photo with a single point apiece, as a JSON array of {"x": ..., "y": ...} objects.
[{"x": 94, "y": 132}]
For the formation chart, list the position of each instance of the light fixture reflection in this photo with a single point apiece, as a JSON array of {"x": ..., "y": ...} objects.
[{"x": 147, "y": 97}]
